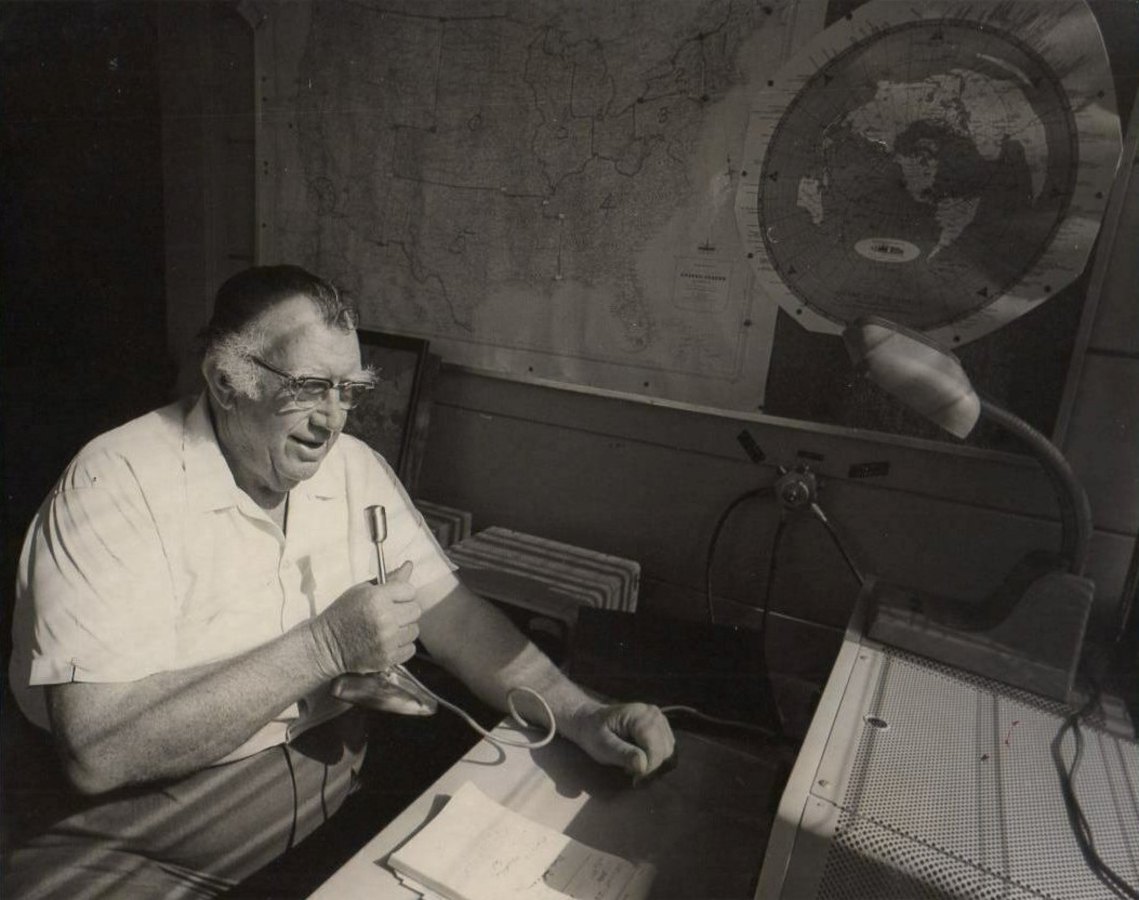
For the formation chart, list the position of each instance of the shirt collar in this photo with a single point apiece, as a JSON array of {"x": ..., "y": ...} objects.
[{"x": 209, "y": 480}]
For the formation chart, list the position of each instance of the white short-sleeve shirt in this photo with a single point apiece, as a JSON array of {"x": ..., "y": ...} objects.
[{"x": 147, "y": 557}]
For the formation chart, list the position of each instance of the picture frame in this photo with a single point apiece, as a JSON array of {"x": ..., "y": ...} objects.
[{"x": 393, "y": 418}]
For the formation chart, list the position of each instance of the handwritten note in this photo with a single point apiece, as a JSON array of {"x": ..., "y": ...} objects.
[{"x": 476, "y": 849}]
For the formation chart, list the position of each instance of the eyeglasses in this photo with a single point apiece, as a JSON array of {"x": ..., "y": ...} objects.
[{"x": 308, "y": 390}]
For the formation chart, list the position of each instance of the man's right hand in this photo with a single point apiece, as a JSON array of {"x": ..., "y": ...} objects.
[{"x": 370, "y": 627}]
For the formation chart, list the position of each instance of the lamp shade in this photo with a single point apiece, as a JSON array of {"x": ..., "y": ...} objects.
[{"x": 923, "y": 375}]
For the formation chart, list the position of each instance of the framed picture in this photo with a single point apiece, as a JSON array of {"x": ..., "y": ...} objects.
[{"x": 393, "y": 418}]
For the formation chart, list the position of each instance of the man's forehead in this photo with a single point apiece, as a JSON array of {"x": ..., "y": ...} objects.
[{"x": 296, "y": 336}]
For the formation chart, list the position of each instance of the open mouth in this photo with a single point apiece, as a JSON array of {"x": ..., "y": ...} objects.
[{"x": 310, "y": 444}]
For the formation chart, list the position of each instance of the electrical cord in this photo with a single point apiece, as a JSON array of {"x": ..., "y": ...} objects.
[
  {"x": 766, "y": 603},
  {"x": 1076, "y": 818},
  {"x": 378, "y": 523},
  {"x": 765, "y": 491},
  {"x": 822, "y": 517},
  {"x": 551, "y": 727},
  {"x": 715, "y": 720},
  {"x": 769, "y": 490},
  {"x": 776, "y": 540}
]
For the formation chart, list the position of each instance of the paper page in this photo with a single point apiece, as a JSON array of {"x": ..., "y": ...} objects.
[
  {"x": 476, "y": 849},
  {"x": 425, "y": 893}
]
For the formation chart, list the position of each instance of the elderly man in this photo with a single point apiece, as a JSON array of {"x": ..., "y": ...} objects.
[{"x": 198, "y": 596}]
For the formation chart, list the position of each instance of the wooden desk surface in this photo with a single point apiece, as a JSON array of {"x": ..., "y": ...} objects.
[{"x": 703, "y": 824}]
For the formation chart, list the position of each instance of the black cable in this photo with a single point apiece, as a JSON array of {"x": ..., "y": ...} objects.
[
  {"x": 838, "y": 543},
  {"x": 766, "y": 490},
  {"x": 296, "y": 798},
  {"x": 323, "y": 798},
  {"x": 716, "y": 720},
  {"x": 775, "y": 541},
  {"x": 1076, "y": 818}
]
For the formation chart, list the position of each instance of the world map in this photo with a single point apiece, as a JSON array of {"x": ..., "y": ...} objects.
[
  {"x": 942, "y": 165},
  {"x": 913, "y": 122}
]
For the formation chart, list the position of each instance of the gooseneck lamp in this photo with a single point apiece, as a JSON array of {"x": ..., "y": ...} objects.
[{"x": 1030, "y": 630}]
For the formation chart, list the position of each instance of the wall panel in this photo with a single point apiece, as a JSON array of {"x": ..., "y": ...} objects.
[{"x": 659, "y": 502}]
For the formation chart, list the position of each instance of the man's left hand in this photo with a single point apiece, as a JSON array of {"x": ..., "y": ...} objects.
[{"x": 634, "y": 736}]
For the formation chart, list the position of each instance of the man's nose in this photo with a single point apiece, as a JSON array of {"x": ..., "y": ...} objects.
[{"x": 329, "y": 414}]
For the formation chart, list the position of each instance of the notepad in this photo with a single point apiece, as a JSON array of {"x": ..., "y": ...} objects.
[{"x": 476, "y": 849}]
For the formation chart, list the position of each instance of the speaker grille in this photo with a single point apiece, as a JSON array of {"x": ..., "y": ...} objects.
[{"x": 954, "y": 792}]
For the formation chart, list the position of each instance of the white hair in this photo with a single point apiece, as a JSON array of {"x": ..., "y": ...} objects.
[{"x": 231, "y": 354}]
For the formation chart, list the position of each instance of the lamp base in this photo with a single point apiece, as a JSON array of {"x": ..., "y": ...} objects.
[{"x": 1035, "y": 645}]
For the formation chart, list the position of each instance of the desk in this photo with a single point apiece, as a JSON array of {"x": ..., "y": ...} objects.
[
  {"x": 915, "y": 781},
  {"x": 703, "y": 824}
]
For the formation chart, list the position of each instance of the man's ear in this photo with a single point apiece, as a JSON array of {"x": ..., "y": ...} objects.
[{"x": 218, "y": 383}]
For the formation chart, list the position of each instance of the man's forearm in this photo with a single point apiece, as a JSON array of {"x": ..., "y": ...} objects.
[
  {"x": 481, "y": 646},
  {"x": 173, "y": 723}
]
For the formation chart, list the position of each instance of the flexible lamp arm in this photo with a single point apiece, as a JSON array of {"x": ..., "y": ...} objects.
[
  {"x": 1075, "y": 511},
  {"x": 929, "y": 379}
]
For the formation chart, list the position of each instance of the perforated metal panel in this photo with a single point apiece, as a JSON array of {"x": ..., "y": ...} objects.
[{"x": 953, "y": 792}]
